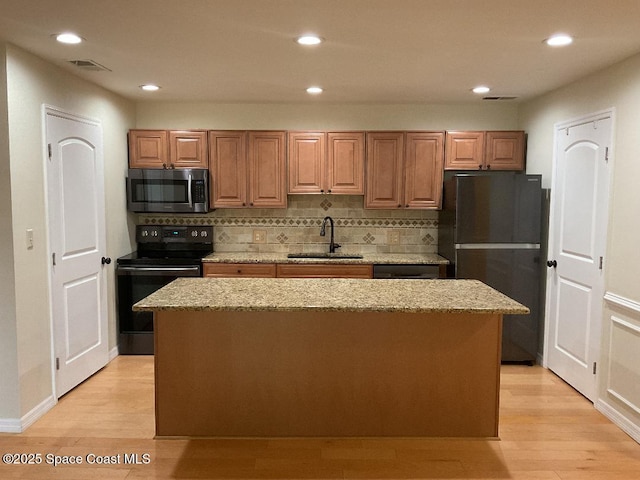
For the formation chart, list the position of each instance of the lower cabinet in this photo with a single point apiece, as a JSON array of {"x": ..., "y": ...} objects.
[
  {"x": 288, "y": 270},
  {"x": 255, "y": 270},
  {"x": 322, "y": 270}
]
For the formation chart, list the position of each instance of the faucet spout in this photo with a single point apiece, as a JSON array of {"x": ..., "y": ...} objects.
[{"x": 332, "y": 244}]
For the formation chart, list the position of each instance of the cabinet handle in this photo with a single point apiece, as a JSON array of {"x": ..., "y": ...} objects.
[
  {"x": 399, "y": 206},
  {"x": 488, "y": 167},
  {"x": 479, "y": 167},
  {"x": 239, "y": 271},
  {"x": 251, "y": 204},
  {"x": 329, "y": 190},
  {"x": 321, "y": 190},
  {"x": 164, "y": 165}
]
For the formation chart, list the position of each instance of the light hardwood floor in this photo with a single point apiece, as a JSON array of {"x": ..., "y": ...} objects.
[{"x": 547, "y": 431}]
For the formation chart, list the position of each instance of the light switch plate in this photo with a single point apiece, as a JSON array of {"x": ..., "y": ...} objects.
[{"x": 29, "y": 238}]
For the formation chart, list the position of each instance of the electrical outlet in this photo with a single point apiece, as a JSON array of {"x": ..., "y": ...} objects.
[
  {"x": 393, "y": 237},
  {"x": 259, "y": 236}
]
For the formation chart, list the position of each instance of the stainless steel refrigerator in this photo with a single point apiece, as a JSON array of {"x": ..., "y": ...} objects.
[{"x": 490, "y": 230}]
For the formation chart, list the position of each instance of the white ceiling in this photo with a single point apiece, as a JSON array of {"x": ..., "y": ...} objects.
[{"x": 376, "y": 51}]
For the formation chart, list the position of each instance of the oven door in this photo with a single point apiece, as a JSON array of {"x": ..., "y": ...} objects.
[{"x": 135, "y": 329}]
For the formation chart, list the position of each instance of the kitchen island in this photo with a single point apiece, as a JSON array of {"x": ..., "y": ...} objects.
[{"x": 327, "y": 357}]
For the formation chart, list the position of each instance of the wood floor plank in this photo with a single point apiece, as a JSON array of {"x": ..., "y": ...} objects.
[{"x": 547, "y": 432}]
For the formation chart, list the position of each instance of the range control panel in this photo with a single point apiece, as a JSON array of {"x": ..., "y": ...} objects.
[{"x": 174, "y": 234}]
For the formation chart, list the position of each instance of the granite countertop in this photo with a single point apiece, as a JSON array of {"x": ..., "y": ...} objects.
[
  {"x": 367, "y": 258},
  {"x": 330, "y": 294}
]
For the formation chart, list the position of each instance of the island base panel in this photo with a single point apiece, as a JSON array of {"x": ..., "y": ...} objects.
[{"x": 237, "y": 373}]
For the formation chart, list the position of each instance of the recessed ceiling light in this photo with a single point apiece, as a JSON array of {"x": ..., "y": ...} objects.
[
  {"x": 559, "y": 40},
  {"x": 481, "y": 89},
  {"x": 68, "y": 38},
  {"x": 150, "y": 87},
  {"x": 314, "y": 90},
  {"x": 309, "y": 40}
]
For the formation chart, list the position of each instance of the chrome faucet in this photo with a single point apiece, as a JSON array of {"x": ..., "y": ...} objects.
[{"x": 332, "y": 244}]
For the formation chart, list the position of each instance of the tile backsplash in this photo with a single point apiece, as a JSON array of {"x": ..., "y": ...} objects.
[{"x": 297, "y": 228}]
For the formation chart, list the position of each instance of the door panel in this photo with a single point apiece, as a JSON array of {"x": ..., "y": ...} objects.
[
  {"x": 575, "y": 287},
  {"x": 77, "y": 241}
]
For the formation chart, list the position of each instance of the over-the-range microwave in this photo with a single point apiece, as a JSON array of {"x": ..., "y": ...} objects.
[{"x": 180, "y": 190}]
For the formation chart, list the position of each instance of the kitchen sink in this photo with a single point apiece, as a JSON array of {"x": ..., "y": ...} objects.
[{"x": 323, "y": 255}]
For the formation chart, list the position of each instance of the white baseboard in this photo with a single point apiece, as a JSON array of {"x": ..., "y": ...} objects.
[
  {"x": 620, "y": 420},
  {"x": 19, "y": 425},
  {"x": 113, "y": 353}
]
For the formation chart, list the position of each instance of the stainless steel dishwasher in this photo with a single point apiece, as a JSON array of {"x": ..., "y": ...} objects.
[{"x": 415, "y": 271}]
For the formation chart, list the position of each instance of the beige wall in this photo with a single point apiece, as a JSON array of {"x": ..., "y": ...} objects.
[
  {"x": 617, "y": 87},
  {"x": 31, "y": 83},
  {"x": 9, "y": 397},
  {"x": 483, "y": 116}
]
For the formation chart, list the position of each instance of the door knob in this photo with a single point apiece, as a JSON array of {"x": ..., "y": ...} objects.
[
  {"x": 106, "y": 260},
  {"x": 552, "y": 263}
]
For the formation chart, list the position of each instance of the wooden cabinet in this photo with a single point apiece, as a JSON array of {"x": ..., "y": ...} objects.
[
  {"x": 188, "y": 149},
  {"x": 345, "y": 163},
  {"x": 168, "y": 149},
  {"x": 423, "y": 170},
  {"x": 247, "y": 169},
  {"x": 255, "y": 270},
  {"x": 228, "y": 169},
  {"x": 148, "y": 148},
  {"x": 492, "y": 150},
  {"x": 404, "y": 170},
  {"x": 324, "y": 270},
  {"x": 307, "y": 162},
  {"x": 326, "y": 162}
]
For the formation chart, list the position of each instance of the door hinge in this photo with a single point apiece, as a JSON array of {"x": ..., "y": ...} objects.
[
  {"x": 594, "y": 367},
  {"x": 57, "y": 363},
  {"x": 53, "y": 258},
  {"x": 600, "y": 265},
  {"x": 49, "y": 150},
  {"x": 606, "y": 154}
]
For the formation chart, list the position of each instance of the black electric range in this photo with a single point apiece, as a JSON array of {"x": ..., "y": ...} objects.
[{"x": 163, "y": 254}]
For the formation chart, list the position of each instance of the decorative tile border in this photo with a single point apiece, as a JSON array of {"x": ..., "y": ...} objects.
[{"x": 287, "y": 222}]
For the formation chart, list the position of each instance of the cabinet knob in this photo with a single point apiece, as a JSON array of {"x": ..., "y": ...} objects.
[
  {"x": 106, "y": 260},
  {"x": 488, "y": 167},
  {"x": 552, "y": 263},
  {"x": 321, "y": 190},
  {"x": 329, "y": 190},
  {"x": 479, "y": 167}
]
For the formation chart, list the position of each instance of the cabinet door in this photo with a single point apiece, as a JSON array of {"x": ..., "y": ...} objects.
[
  {"x": 505, "y": 150},
  {"x": 253, "y": 270},
  {"x": 148, "y": 149},
  {"x": 188, "y": 149},
  {"x": 423, "y": 170},
  {"x": 464, "y": 151},
  {"x": 345, "y": 163},
  {"x": 228, "y": 170},
  {"x": 267, "y": 173},
  {"x": 385, "y": 151},
  {"x": 306, "y": 162}
]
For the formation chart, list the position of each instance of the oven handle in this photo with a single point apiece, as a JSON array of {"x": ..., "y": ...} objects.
[
  {"x": 190, "y": 194},
  {"x": 184, "y": 271}
]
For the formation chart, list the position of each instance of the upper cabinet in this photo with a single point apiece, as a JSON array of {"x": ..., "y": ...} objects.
[
  {"x": 404, "y": 170},
  {"x": 493, "y": 150},
  {"x": 247, "y": 169},
  {"x": 326, "y": 162},
  {"x": 168, "y": 149}
]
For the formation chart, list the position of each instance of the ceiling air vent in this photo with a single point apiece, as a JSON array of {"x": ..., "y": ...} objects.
[
  {"x": 499, "y": 98},
  {"x": 89, "y": 65}
]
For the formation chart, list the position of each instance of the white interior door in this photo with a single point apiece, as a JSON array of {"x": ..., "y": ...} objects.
[
  {"x": 579, "y": 206},
  {"x": 77, "y": 244}
]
